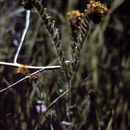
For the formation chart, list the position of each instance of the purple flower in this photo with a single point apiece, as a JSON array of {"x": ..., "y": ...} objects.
[{"x": 40, "y": 107}]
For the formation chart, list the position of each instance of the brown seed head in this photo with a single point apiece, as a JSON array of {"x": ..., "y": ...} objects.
[
  {"x": 92, "y": 94},
  {"x": 74, "y": 18},
  {"x": 23, "y": 69},
  {"x": 96, "y": 10}
]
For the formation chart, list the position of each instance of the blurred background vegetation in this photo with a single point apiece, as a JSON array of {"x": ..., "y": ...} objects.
[{"x": 100, "y": 101}]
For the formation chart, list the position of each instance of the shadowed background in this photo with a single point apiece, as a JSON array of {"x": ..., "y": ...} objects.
[{"x": 102, "y": 102}]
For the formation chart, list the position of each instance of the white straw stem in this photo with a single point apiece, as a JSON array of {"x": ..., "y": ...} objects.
[
  {"x": 23, "y": 35},
  {"x": 30, "y": 67}
]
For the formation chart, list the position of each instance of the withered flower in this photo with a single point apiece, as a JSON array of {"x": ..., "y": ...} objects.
[
  {"x": 74, "y": 17},
  {"x": 92, "y": 94},
  {"x": 27, "y": 4},
  {"x": 96, "y": 10},
  {"x": 23, "y": 69}
]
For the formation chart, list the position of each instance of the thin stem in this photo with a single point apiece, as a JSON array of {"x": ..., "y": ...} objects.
[
  {"x": 23, "y": 35},
  {"x": 64, "y": 93},
  {"x": 10, "y": 86},
  {"x": 68, "y": 104},
  {"x": 37, "y": 90},
  {"x": 59, "y": 97},
  {"x": 19, "y": 81},
  {"x": 51, "y": 105}
]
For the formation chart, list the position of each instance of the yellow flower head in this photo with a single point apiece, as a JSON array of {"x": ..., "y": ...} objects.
[
  {"x": 96, "y": 10},
  {"x": 74, "y": 18},
  {"x": 94, "y": 6},
  {"x": 74, "y": 14}
]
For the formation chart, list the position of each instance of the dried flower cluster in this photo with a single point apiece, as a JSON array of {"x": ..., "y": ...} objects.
[
  {"x": 23, "y": 69},
  {"x": 74, "y": 18},
  {"x": 96, "y": 10},
  {"x": 97, "y": 6},
  {"x": 79, "y": 23}
]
